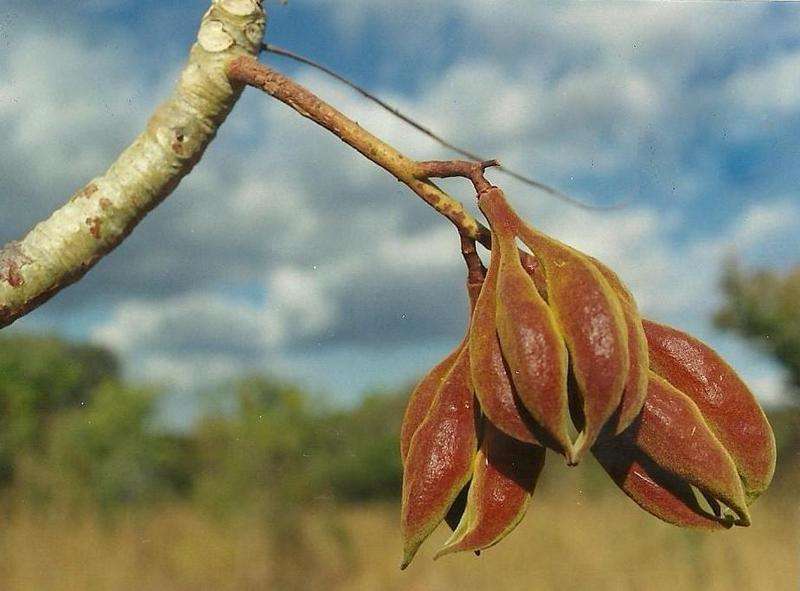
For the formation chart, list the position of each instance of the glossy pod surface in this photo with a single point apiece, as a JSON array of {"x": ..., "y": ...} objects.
[
  {"x": 490, "y": 376},
  {"x": 529, "y": 336},
  {"x": 504, "y": 479},
  {"x": 726, "y": 403}
]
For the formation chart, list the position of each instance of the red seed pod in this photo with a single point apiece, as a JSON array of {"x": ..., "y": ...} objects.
[
  {"x": 439, "y": 460},
  {"x": 504, "y": 478},
  {"x": 423, "y": 394},
  {"x": 672, "y": 433},
  {"x": 439, "y": 434},
  {"x": 658, "y": 492},
  {"x": 635, "y": 390},
  {"x": 419, "y": 403},
  {"x": 529, "y": 336},
  {"x": 490, "y": 376},
  {"x": 591, "y": 319},
  {"x": 534, "y": 268},
  {"x": 726, "y": 403}
]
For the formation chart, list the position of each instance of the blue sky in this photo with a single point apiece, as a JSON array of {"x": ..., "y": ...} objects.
[{"x": 286, "y": 253}]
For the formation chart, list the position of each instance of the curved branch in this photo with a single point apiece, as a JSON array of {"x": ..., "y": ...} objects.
[
  {"x": 60, "y": 250},
  {"x": 248, "y": 70},
  {"x": 415, "y": 175}
]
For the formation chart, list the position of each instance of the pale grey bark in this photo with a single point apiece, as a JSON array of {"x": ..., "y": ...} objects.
[{"x": 61, "y": 249}]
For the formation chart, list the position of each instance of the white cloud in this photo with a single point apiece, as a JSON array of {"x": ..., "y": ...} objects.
[
  {"x": 768, "y": 88},
  {"x": 189, "y": 341},
  {"x": 301, "y": 300},
  {"x": 68, "y": 105},
  {"x": 663, "y": 34},
  {"x": 192, "y": 322},
  {"x": 765, "y": 221},
  {"x": 428, "y": 252},
  {"x": 770, "y": 385}
]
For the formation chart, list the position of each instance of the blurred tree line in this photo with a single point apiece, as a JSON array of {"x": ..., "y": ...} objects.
[
  {"x": 72, "y": 431},
  {"x": 763, "y": 306}
]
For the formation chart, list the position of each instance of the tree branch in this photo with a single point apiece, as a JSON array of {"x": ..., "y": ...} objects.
[
  {"x": 413, "y": 174},
  {"x": 60, "y": 250},
  {"x": 250, "y": 71}
]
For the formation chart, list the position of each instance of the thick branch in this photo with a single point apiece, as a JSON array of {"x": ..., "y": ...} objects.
[
  {"x": 250, "y": 71},
  {"x": 61, "y": 249}
]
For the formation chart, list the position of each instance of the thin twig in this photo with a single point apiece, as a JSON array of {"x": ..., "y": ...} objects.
[
  {"x": 444, "y": 169},
  {"x": 274, "y": 49},
  {"x": 250, "y": 71},
  {"x": 476, "y": 272},
  {"x": 415, "y": 175}
]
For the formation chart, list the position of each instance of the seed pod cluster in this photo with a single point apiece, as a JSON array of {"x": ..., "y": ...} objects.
[{"x": 555, "y": 345}]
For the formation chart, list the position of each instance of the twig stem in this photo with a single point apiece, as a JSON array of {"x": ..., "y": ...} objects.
[{"x": 414, "y": 174}]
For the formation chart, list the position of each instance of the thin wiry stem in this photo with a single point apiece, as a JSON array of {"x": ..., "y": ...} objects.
[{"x": 274, "y": 49}]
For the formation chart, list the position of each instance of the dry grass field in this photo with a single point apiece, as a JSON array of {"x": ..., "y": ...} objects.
[{"x": 567, "y": 542}]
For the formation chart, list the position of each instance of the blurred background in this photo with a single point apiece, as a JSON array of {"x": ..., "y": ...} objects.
[{"x": 217, "y": 405}]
